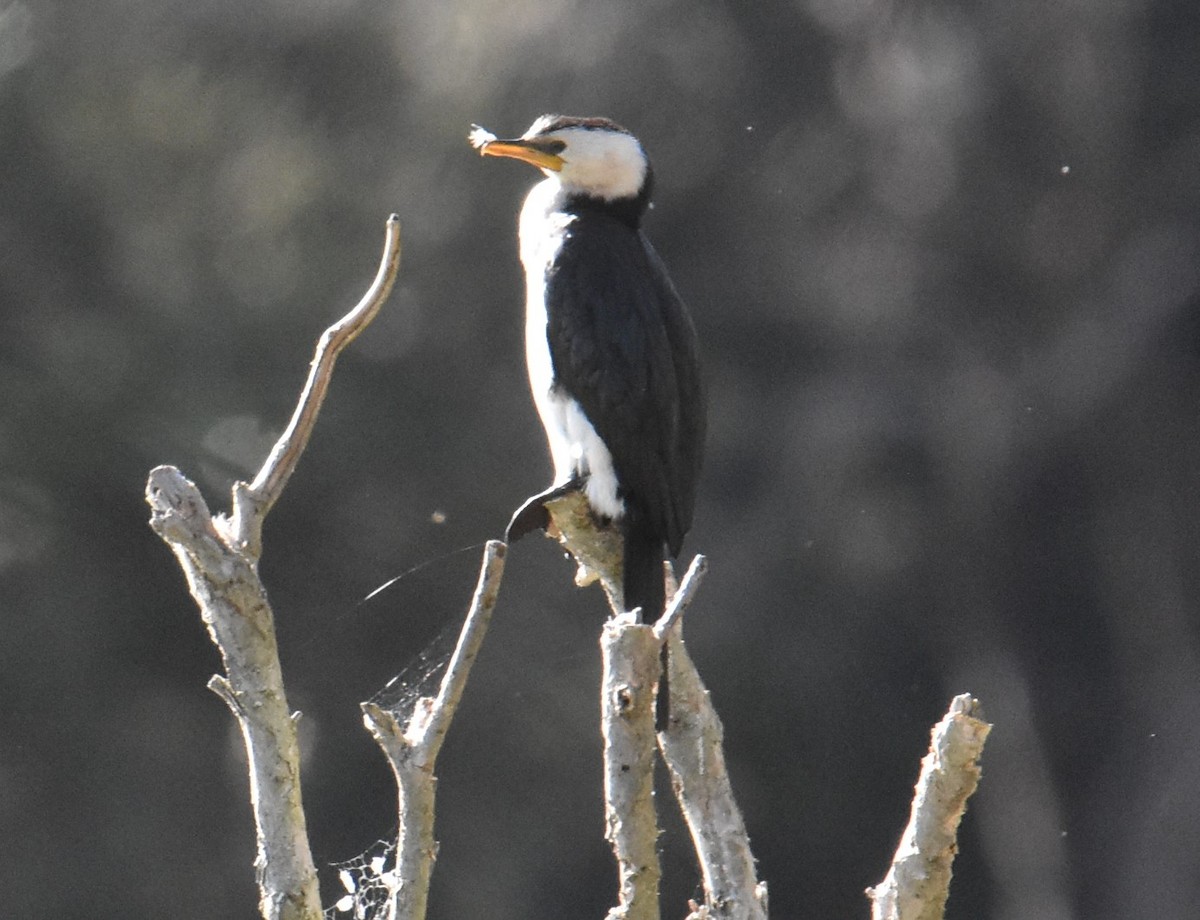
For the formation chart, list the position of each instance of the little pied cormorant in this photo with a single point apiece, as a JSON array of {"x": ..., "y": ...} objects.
[{"x": 610, "y": 347}]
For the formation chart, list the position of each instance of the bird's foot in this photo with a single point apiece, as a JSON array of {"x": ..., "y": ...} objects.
[
  {"x": 530, "y": 516},
  {"x": 533, "y": 514}
]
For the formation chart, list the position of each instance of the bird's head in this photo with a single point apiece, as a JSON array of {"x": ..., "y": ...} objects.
[{"x": 593, "y": 157}]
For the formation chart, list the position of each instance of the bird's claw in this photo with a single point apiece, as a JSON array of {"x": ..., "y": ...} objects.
[
  {"x": 530, "y": 516},
  {"x": 533, "y": 515}
]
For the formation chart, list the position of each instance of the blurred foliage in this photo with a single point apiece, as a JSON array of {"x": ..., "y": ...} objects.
[{"x": 945, "y": 261}]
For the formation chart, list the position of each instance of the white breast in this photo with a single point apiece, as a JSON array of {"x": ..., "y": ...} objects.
[{"x": 575, "y": 448}]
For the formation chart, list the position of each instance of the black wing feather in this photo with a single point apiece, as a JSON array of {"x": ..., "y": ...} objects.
[{"x": 623, "y": 346}]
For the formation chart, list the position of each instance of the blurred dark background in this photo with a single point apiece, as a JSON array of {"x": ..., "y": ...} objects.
[{"x": 944, "y": 259}]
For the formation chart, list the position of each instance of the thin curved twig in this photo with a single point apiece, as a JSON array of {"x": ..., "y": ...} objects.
[{"x": 252, "y": 502}]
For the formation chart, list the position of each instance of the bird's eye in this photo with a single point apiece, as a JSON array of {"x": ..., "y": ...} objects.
[{"x": 552, "y": 145}]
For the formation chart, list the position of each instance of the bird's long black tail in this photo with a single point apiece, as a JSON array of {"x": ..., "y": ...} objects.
[
  {"x": 643, "y": 587},
  {"x": 643, "y": 568}
]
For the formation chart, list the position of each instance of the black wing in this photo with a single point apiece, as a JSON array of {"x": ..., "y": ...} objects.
[{"x": 623, "y": 346}]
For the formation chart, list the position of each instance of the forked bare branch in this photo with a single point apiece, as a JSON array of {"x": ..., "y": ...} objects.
[
  {"x": 412, "y": 748},
  {"x": 219, "y": 558}
]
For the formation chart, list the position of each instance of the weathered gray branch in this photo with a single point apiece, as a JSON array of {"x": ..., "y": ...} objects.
[
  {"x": 691, "y": 745},
  {"x": 219, "y": 558},
  {"x": 412, "y": 749},
  {"x": 233, "y": 605},
  {"x": 918, "y": 882},
  {"x": 681, "y": 596},
  {"x": 630, "y": 664},
  {"x": 596, "y": 548},
  {"x": 252, "y": 502}
]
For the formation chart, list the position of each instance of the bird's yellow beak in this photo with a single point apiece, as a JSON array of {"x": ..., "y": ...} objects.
[{"x": 526, "y": 151}]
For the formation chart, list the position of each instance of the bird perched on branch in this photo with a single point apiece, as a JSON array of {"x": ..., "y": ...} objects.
[{"x": 610, "y": 347}]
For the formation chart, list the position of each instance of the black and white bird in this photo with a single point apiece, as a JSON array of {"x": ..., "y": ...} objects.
[{"x": 610, "y": 346}]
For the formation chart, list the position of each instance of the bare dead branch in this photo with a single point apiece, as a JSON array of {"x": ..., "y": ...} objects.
[
  {"x": 219, "y": 559},
  {"x": 251, "y": 503},
  {"x": 233, "y": 605},
  {"x": 681, "y": 597},
  {"x": 918, "y": 882},
  {"x": 412, "y": 749},
  {"x": 693, "y": 748},
  {"x": 630, "y": 664},
  {"x": 595, "y": 548}
]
